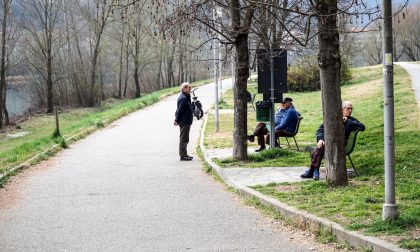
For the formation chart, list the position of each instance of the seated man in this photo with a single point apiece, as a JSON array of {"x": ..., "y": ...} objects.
[
  {"x": 286, "y": 119},
  {"x": 350, "y": 124}
]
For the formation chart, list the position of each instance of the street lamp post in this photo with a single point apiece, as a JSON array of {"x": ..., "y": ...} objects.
[
  {"x": 390, "y": 209},
  {"x": 216, "y": 75}
]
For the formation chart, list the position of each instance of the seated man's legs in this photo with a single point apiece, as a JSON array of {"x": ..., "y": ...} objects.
[
  {"x": 259, "y": 132},
  {"x": 279, "y": 133},
  {"x": 316, "y": 159}
]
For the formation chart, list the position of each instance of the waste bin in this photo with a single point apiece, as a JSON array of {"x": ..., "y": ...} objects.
[{"x": 263, "y": 110}]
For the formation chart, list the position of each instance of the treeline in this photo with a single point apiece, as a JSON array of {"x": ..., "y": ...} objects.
[{"x": 77, "y": 53}]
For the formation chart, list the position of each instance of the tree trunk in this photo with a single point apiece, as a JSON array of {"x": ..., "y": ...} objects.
[
  {"x": 137, "y": 81},
  {"x": 50, "y": 102},
  {"x": 240, "y": 145},
  {"x": 101, "y": 80},
  {"x": 121, "y": 63},
  {"x": 126, "y": 66},
  {"x": 93, "y": 76},
  {"x": 6, "y": 114},
  {"x": 3, "y": 61},
  {"x": 329, "y": 62},
  {"x": 170, "y": 73}
]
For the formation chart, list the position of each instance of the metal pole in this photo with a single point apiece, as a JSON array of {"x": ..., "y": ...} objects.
[
  {"x": 390, "y": 209},
  {"x": 272, "y": 108},
  {"x": 220, "y": 57},
  {"x": 220, "y": 75},
  {"x": 216, "y": 83}
]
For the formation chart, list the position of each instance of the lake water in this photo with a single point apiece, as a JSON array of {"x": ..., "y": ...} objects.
[{"x": 17, "y": 101}]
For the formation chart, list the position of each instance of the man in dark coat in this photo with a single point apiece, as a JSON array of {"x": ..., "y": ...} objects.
[
  {"x": 184, "y": 118},
  {"x": 350, "y": 124}
]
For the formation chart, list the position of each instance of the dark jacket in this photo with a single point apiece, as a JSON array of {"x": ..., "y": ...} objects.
[
  {"x": 289, "y": 120},
  {"x": 350, "y": 125},
  {"x": 184, "y": 113}
]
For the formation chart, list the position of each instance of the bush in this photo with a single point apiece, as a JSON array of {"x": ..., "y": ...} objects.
[{"x": 305, "y": 76}]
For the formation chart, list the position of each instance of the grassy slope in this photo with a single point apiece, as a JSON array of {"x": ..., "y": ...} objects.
[
  {"x": 14, "y": 151},
  {"x": 359, "y": 205}
]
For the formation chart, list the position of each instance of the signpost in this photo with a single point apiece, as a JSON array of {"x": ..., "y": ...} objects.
[{"x": 272, "y": 80}]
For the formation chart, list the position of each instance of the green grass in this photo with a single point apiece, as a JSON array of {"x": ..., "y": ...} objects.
[
  {"x": 359, "y": 205},
  {"x": 14, "y": 151},
  {"x": 268, "y": 158}
]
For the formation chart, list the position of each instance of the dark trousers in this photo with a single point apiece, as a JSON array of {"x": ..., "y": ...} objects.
[
  {"x": 260, "y": 131},
  {"x": 278, "y": 133},
  {"x": 317, "y": 156},
  {"x": 184, "y": 138}
]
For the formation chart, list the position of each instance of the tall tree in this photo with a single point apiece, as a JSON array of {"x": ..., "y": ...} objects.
[
  {"x": 6, "y": 11},
  {"x": 329, "y": 62},
  {"x": 98, "y": 17},
  {"x": 41, "y": 24}
]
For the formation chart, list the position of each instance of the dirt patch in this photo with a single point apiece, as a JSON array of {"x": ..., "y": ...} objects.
[
  {"x": 287, "y": 188},
  {"x": 13, "y": 190},
  {"x": 415, "y": 233},
  {"x": 392, "y": 239},
  {"x": 296, "y": 235}
]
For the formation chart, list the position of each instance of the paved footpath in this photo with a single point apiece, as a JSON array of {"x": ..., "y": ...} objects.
[
  {"x": 123, "y": 188},
  {"x": 413, "y": 70}
]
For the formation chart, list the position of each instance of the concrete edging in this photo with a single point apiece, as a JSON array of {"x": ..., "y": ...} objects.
[{"x": 352, "y": 238}]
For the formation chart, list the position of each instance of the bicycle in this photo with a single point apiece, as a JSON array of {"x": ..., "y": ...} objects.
[{"x": 196, "y": 106}]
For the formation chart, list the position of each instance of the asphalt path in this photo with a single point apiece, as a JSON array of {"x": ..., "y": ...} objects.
[
  {"x": 413, "y": 70},
  {"x": 123, "y": 188}
]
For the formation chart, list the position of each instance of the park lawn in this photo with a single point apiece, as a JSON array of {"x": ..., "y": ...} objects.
[
  {"x": 16, "y": 150},
  {"x": 359, "y": 205}
]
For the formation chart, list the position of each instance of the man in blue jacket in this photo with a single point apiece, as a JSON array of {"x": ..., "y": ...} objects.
[
  {"x": 184, "y": 118},
  {"x": 286, "y": 120},
  {"x": 288, "y": 123},
  {"x": 350, "y": 124}
]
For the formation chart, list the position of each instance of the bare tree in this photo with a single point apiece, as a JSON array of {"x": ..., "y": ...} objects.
[
  {"x": 138, "y": 21},
  {"x": 44, "y": 17},
  {"x": 4, "y": 31},
  {"x": 372, "y": 48},
  {"x": 98, "y": 17},
  {"x": 409, "y": 30}
]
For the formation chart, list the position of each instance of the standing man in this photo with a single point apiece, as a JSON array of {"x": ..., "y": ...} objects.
[{"x": 184, "y": 118}]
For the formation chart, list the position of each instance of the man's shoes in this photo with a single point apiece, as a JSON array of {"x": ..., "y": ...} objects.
[
  {"x": 250, "y": 138},
  {"x": 189, "y": 156},
  {"x": 307, "y": 174},
  {"x": 316, "y": 174},
  {"x": 260, "y": 149},
  {"x": 186, "y": 158}
]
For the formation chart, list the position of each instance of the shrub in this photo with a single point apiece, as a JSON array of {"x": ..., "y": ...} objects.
[{"x": 304, "y": 74}]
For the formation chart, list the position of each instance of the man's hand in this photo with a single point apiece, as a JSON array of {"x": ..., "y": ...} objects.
[
  {"x": 175, "y": 123},
  {"x": 344, "y": 119},
  {"x": 320, "y": 143}
]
